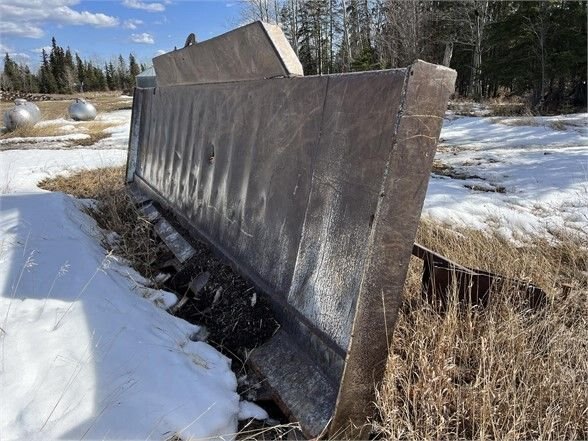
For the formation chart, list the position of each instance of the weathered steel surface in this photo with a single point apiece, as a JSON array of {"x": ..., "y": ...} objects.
[
  {"x": 300, "y": 387},
  {"x": 258, "y": 50},
  {"x": 137, "y": 121},
  {"x": 313, "y": 188},
  {"x": 403, "y": 186},
  {"x": 358, "y": 124},
  {"x": 179, "y": 246},
  {"x": 239, "y": 174}
]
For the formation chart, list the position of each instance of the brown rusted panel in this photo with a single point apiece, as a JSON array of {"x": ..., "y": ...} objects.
[
  {"x": 390, "y": 243},
  {"x": 442, "y": 277}
]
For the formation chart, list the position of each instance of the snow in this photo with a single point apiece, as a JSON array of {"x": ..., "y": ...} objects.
[
  {"x": 501, "y": 132},
  {"x": 249, "y": 410},
  {"x": 45, "y": 139},
  {"x": 119, "y": 134},
  {"x": 87, "y": 350},
  {"x": 21, "y": 170},
  {"x": 543, "y": 172}
]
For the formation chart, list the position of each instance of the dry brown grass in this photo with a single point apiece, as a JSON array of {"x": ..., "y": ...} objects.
[
  {"x": 499, "y": 373},
  {"x": 509, "y": 109},
  {"x": 96, "y": 130},
  {"x": 32, "y": 131},
  {"x": 87, "y": 184},
  {"x": 559, "y": 125},
  {"x": 114, "y": 211},
  {"x": 515, "y": 122}
]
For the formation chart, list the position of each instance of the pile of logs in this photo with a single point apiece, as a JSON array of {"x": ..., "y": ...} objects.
[{"x": 11, "y": 96}]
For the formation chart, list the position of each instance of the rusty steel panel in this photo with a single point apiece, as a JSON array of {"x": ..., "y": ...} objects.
[
  {"x": 312, "y": 187},
  {"x": 443, "y": 277}
]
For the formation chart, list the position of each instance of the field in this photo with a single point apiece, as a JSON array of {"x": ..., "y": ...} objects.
[{"x": 507, "y": 194}]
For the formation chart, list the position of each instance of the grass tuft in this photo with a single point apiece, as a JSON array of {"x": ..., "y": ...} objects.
[{"x": 32, "y": 131}]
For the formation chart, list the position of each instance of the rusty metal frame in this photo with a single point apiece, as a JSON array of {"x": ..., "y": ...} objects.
[{"x": 472, "y": 286}]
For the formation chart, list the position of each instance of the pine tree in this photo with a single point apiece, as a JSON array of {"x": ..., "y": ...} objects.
[
  {"x": 134, "y": 68},
  {"x": 11, "y": 77},
  {"x": 47, "y": 83}
]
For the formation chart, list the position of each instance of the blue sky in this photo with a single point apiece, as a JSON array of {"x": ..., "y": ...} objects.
[{"x": 101, "y": 29}]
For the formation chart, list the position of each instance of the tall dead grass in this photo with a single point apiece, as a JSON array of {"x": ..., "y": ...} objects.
[
  {"x": 32, "y": 131},
  {"x": 114, "y": 211},
  {"x": 503, "y": 372}
]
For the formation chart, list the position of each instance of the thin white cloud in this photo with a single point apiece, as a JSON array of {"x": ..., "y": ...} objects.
[
  {"x": 20, "y": 57},
  {"x": 39, "y": 50},
  {"x": 132, "y": 23},
  {"x": 5, "y": 49},
  {"x": 65, "y": 15},
  {"x": 25, "y": 18},
  {"x": 143, "y": 38},
  {"x": 163, "y": 21},
  {"x": 145, "y": 6},
  {"x": 160, "y": 52},
  {"x": 27, "y": 30}
]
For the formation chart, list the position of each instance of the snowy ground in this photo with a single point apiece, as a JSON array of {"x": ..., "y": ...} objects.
[
  {"x": 88, "y": 353},
  {"x": 516, "y": 175},
  {"x": 86, "y": 350}
]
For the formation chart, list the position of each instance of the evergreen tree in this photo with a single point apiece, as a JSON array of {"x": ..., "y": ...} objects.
[
  {"x": 11, "y": 77},
  {"x": 134, "y": 69},
  {"x": 47, "y": 83}
]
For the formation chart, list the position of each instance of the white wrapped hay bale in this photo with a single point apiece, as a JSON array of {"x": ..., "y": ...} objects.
[{"x": 81, "y": 110}]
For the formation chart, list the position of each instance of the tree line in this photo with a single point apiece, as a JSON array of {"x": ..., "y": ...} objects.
[
  {"x": 61, "y": 71},
  {"x": 534, "y": 49}
]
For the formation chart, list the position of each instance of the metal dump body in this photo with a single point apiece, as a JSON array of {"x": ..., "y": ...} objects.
[{"x": 312, "y": 187}]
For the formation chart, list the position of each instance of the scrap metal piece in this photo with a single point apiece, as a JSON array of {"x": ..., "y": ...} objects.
[
  {"x": 179, "y": 246},
  {"x": 150, "y": 212},
  {"x": 195, "y": 286},
  {"x": 199, "y": 282},
  {"x": 472, "y": 286},
  {"x": 301, "y": 390}
]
